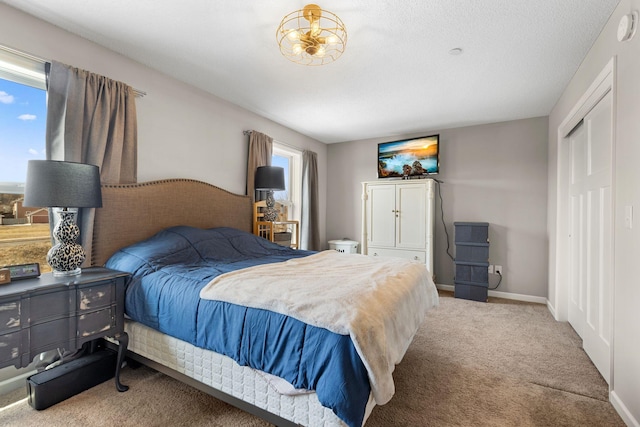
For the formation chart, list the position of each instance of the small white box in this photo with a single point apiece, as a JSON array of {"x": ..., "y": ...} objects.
[{"x": 344, "y": 246}]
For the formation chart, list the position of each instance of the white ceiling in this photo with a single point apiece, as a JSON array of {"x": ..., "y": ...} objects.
[{"x": 396, "y": 76}]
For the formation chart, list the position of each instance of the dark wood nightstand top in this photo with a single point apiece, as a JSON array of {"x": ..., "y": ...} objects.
[{"x": 48, "y": 280}]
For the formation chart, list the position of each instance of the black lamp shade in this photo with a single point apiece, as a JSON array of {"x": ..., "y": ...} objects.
[
  {"x": 53, "y": 183},
  {"x": 269, "y": 178}
]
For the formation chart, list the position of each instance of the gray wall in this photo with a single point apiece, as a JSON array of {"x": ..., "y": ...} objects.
[
  {"x": 494, "y": 173},
  {"x": 625, "y": 383},
  {"x": 183, "y": 132}
]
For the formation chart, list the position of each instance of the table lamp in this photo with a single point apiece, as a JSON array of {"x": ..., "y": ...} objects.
[
  {"x": 269, "y": 178},
  {"x": 63, "y": 185}
]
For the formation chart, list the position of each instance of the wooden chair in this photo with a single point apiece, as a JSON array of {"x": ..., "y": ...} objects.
[{"x": 282, "y": 231}]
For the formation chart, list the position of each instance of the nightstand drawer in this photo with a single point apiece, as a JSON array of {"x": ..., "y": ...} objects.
[
  {"x": 96, "y": 323},
  {"x": 9, "y": 347},
  {"x": 52, "y": 334},
  {"x": 51, "y": 305},
  {"x": 96, "y": 296},
  {"x": 9, "y": 315}
]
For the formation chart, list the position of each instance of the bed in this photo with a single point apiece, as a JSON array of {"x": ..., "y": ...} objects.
[{"x": 183, "y": 328}]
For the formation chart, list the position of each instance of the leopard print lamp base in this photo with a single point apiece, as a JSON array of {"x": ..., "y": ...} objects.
[{"x": 66, "y": 257}]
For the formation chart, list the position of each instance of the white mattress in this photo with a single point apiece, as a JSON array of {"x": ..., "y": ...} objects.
[{"x": 223, "y": 373}]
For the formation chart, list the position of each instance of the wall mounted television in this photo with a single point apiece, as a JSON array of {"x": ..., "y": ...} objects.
[{"x": 408, "y": 158}]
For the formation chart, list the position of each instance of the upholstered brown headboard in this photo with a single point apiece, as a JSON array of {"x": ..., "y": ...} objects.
[{"x": 133, "y": 212}]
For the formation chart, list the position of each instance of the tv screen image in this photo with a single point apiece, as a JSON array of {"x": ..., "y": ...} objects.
[{"x": 416, "y": 157}]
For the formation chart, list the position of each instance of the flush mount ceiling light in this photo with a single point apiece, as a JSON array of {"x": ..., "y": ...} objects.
[{"x": 311, "y": 36}]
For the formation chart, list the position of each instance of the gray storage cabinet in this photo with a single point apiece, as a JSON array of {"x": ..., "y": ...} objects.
[{"x": 472, "y": 260}]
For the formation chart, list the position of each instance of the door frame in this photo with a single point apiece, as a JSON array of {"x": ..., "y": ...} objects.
[{"x": 603, "y": 84}]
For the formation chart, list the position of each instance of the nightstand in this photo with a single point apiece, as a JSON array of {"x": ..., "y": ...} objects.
[{"x": 49, "y": 312}]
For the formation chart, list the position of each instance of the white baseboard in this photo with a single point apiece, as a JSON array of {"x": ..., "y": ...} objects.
[
  {"x": 505, "y": 295},
  {"x": 623, "y": 411},
  {"x": 552, "y": 309},
  {"x": 16, "y": 382}
]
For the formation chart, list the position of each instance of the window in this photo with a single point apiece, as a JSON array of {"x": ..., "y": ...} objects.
[
  {"x": 291, "y": 160},
  {"x": 24, "y": 232}
]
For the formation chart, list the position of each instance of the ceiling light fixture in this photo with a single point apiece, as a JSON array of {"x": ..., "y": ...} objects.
[{"x": 311, "y": 36}]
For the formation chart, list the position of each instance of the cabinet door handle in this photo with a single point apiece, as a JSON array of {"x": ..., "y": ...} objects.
[
  {"x": 416, "y": 258},
  {"x": 375, "y": 254}
]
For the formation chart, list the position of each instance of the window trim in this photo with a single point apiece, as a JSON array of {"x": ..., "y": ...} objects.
[{"x": 295, "y": 177}]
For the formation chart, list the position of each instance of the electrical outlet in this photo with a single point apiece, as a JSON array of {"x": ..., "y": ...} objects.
[
  {"x": 498, "y": 269},
  {"x": 490, "y": 269}
]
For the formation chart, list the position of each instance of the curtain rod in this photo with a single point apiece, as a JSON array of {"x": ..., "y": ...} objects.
[{"x": 138, "y": 93}]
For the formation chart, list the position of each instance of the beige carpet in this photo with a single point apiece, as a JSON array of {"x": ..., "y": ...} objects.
[{"x": 472, "y": 364}]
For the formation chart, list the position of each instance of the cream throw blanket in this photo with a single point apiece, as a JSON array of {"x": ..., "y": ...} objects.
[{"x": 379, "y": 302}]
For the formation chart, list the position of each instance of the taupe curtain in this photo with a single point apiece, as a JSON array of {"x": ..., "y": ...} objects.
[
  {"x": 91, "y": 119},
  {"x": 309, "y": 223},
  {"x": 260, "y": 151}
]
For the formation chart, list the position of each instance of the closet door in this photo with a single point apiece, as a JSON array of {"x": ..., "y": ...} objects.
[
  {"x": 591, "y": 245},
  {"x": 577, "y": 195},
  {"x": 382, "y": 215}
]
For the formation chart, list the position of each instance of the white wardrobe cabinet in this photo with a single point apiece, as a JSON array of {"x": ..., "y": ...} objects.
[{"x": 398, "y": 219}]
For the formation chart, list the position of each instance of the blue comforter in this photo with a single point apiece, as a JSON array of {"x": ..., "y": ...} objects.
[{"x": 169, "y": 270}]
